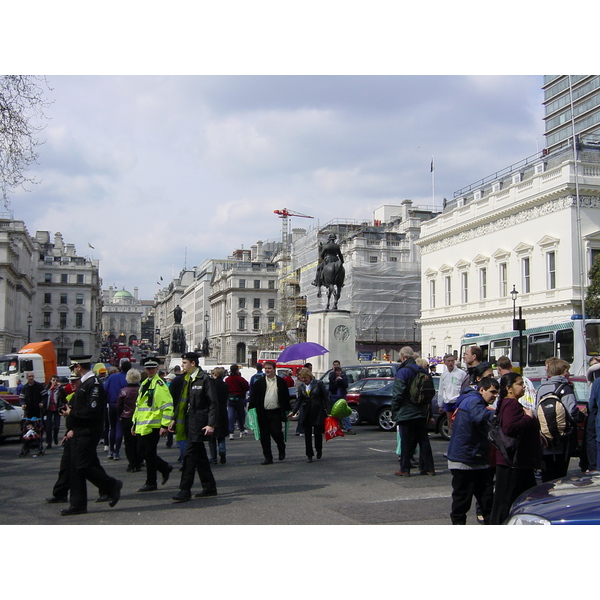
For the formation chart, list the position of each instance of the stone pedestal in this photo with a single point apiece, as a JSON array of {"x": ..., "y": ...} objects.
[
  {"x": 177, "y": 344},
  {"x": 335, "y": 330}
]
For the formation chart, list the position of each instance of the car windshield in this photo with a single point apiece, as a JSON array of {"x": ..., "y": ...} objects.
[{"x": 8, "y": 366}]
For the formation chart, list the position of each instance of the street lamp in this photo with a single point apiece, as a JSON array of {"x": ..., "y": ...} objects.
[
  {"x": 514, "y": 295},
  {"x": 29, "y": 322},
  {"x": 205, "y": 345}
]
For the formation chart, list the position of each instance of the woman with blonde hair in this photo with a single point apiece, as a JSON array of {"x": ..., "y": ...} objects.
[{"x": 313, "y": 397}]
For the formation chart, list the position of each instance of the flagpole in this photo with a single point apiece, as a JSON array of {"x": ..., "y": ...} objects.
[{"x": 432, "y": 182}]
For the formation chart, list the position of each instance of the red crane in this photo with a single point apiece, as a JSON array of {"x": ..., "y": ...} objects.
[{"x": 284, "y": 214}]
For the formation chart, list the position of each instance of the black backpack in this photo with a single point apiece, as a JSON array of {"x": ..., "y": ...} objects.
[{"x": 556, "y": 424}]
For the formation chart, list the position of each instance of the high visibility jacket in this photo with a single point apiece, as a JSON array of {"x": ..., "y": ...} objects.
[{"x": 154, "y": 406}]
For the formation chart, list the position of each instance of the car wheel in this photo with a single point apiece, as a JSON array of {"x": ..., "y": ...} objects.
[
  {"x": 444, "y": 427},
  {"x": 354, "y": 417},
  {"x": 385, "y": 421}
]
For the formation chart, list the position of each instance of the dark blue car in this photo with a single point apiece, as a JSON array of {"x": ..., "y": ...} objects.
[{"x": 566, "y": 501}]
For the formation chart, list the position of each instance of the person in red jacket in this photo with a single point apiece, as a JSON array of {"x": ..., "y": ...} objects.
[
  {"x": 236, "y": 401},
  {"x": 518, "y": 422}
]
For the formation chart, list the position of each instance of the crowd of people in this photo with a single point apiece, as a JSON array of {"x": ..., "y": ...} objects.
[{"x": 126, "y": 407}]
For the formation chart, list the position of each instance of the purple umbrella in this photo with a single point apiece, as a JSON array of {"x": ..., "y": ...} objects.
[{"x": 301, "y": 351}]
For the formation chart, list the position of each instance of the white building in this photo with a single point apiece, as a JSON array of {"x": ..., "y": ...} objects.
[
  {"x": 519, "y": 230},
  {"x": 17, "y": 286},
  {"x": 67, "y": 301},
  {"x": 122, "y": 314}
]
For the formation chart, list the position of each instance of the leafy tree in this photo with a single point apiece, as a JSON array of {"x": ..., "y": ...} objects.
[
  {"x": 21, "y": 120},
  {"x": 592, "y": 296}
]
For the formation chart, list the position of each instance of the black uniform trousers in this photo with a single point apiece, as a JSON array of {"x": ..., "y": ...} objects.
[
  {"x": 270, "y": 426},
  {"x": 85, "y": 466},
  {"x": 196, "y": 459},
  {"x": 61, "y": 487},
  {"x": 147, "y": 446}
]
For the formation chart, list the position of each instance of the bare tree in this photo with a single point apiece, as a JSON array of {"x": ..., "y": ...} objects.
[{"x": 22, "y": 118}]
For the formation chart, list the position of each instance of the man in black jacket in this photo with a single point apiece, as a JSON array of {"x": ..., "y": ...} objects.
[
  {"x": 271, "y": 399},
  {"x": 32, "y": 397},
  {"x": 200, "y": 421}
]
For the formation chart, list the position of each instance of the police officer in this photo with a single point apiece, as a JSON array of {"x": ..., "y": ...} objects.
[
  {"x": 151, "y": 419},
  {"x": 86, "y": 419}
]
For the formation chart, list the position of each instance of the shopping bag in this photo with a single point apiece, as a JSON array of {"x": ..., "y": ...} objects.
[
  {"x": 332, "y": 428},
  {"x": 252, "y": 421}
]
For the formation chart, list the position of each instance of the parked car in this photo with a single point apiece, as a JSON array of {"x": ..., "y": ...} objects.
[
  {"x": 566, "y": 501},
  {"x": 375, "y": 406},
  {"x": 355, "y": 373},
  {"x": 355, "y": 390},
  {"x": 11, "y": 417}
]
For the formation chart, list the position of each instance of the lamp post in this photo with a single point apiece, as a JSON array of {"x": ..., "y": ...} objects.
[
  {"x": 518, "y": 325},
  {"x": 29, "y": 322},
  {"x": 205, "y": 345}
]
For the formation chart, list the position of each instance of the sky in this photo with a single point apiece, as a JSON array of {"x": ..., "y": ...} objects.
[{"x": 160, "y": 172}]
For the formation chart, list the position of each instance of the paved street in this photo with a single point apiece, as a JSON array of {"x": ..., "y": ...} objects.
[{"x": 354, "y": 484}]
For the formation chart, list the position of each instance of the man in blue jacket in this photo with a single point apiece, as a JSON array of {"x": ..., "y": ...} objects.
[
  {"x": 469, "y": 452},
  {"x": 410, "y": 417}
]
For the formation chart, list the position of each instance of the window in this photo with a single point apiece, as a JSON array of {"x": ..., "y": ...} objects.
[
  {"x": 63, "y": 299},
  {"x": 48, "y": 277},
  {"x": 271, "y": 322},
  {"x": 78, "y": 319},
  {"x": 80, "y": 279},
  {"x": 63, "y": 320},
  {"x": 271, "y": 284},
  {"x": 483, "y": 283},
  {"x": 242, "y": 323},
  {"x": 242, "y": 283},
  {"x": 64, "y": 278},
  {"x": 432, "y": 294},
  {"x": 271, "y": 302},
  {"x": 393, "y": 259},
  {"x": 464, "y": 287},
  {"x": 372, "y": 259},
  {"x": 503, "y": 271},
  {"x": 79, "y": 299},
  {"x": 256, "y": 302},
  {"x": 448, "y": 290},
  {"x": 47, "y": 319},
  {"x": 255, "y": 323},
  {"x": 525, "y": 267},
  {"x": 47, "y": 298},
  {"x": 257, "y": 284},
  {"x": 241, "y": 302},
  {"x": 551, "y": 260}
]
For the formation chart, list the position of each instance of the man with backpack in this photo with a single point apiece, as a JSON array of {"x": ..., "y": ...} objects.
[
  {"x": 556, "y": 409},
  {"x": 411, "y": 399}
]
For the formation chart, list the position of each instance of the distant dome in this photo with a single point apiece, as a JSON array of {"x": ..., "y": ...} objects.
[{"x": 123, "y": 294}]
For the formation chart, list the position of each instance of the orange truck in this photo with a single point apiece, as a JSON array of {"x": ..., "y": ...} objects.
[{"x": 39, "y": 357}]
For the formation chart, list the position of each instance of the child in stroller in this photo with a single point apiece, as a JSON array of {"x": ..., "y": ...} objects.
[{"x": 31, "y": 437}]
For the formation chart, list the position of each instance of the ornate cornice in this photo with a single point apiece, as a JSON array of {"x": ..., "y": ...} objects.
[{"x": 498, "y": 224}]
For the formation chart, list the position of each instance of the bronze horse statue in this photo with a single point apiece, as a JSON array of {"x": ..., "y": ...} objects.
[
  {"x": 333, "y": 279},
  {"x": 330, "y": 272}
]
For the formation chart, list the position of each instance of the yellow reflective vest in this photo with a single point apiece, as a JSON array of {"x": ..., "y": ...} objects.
[{"x": 154, "y": 406}]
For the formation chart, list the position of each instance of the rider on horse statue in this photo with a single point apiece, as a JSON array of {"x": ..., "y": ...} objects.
[{"x": 330, "y": 271}]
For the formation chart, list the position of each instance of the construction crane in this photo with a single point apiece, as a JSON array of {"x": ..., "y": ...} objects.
[{"x": 284, "y": 214}]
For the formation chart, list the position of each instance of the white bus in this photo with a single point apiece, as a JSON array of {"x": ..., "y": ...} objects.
[{"x": 572, "y": 341}]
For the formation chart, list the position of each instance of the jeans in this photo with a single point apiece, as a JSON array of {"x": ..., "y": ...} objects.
[
  {"x": 236, "y": 411},
  {"x": 52, "y": 425},
  {"x": 212, "y": 446},
  {"x": 115, "y": 435}
]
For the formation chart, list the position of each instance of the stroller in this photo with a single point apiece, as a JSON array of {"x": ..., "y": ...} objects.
[{"x": 32, "y": 431}]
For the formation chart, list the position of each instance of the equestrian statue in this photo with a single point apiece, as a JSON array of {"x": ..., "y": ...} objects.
[{"x": 330, "y": 271}]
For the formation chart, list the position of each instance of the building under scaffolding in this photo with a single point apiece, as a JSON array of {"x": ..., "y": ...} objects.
[{"x": 382, "y": 288}]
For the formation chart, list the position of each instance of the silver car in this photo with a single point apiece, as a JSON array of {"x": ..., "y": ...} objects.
[{"x": 11, "y": 419}]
